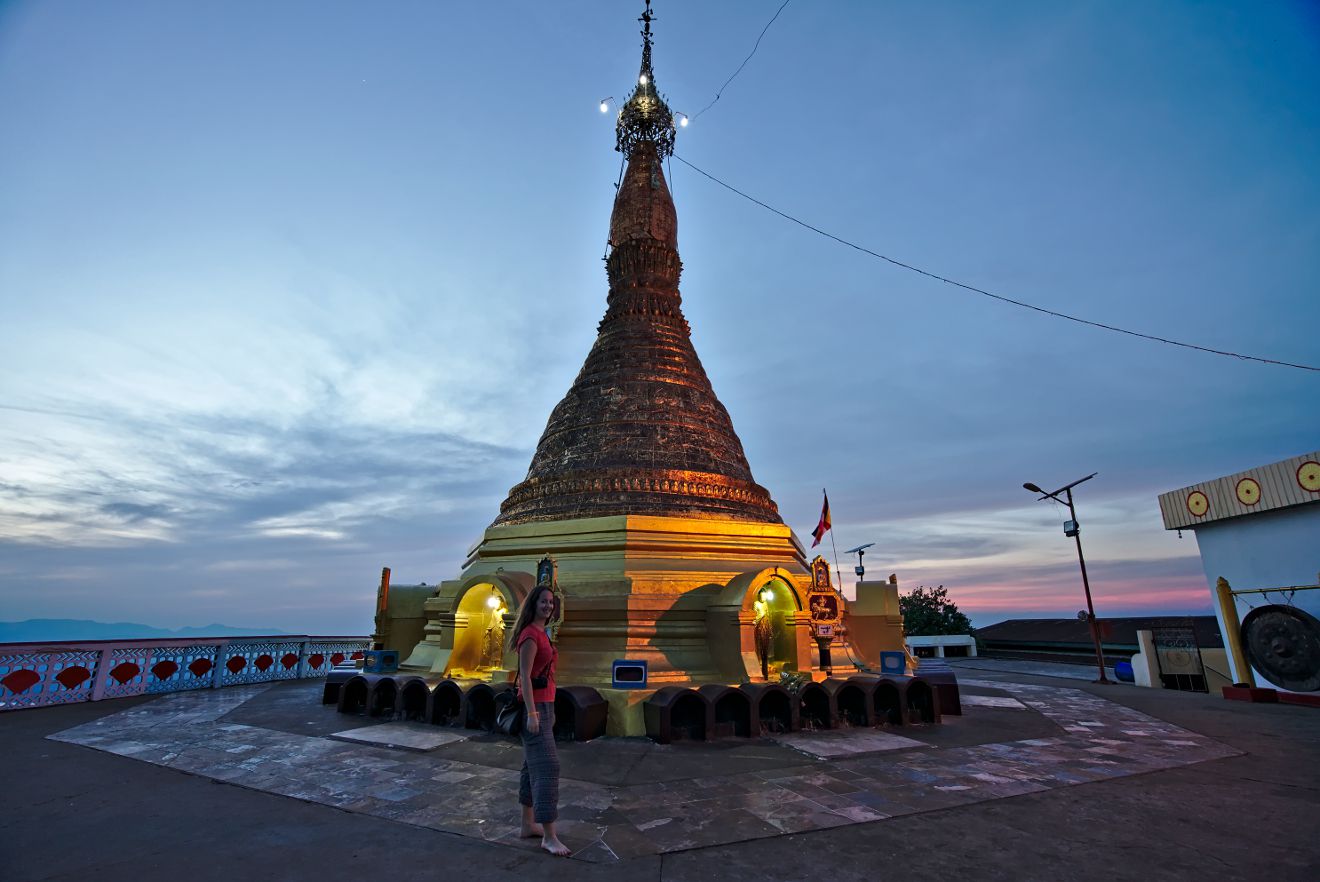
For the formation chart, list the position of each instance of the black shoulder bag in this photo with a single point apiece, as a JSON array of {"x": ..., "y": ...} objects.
[{"x": 510, "y": 713}]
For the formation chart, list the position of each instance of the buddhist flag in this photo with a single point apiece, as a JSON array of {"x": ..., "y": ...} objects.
[{"x": 823, "y": 527}]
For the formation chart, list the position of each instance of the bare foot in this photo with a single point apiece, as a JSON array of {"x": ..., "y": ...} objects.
[
  {"x": 530, "y": 829},
  {"x": 555, "y": 847}
]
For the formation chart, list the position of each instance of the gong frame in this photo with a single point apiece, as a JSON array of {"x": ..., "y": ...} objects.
[{"x": 1227, "y": 597}]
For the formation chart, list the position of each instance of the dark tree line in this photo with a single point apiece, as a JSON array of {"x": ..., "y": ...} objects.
[{"x": 928, "y": 611}]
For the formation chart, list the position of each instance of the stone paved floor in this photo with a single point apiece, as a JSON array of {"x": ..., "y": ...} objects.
[
  {"x": 1059, "y": 670},
  {"x": 1089, "y": 739}
]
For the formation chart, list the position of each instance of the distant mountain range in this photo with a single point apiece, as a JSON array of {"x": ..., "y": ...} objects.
[{"x": 78, "y": 630}]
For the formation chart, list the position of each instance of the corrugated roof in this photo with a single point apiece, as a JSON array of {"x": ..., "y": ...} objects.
[
  {"x": 1294, "y": 481},
  {"x": 1113, "y": 631}
]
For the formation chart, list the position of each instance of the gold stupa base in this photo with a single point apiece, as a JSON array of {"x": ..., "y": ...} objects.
[{"x": 680, "y": 594}]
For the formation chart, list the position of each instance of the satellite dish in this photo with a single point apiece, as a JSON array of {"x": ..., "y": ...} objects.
[{"x": 1283, "y": 643}]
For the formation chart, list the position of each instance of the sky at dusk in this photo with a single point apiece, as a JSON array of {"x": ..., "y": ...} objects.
[{"x": 288, "y": 290}]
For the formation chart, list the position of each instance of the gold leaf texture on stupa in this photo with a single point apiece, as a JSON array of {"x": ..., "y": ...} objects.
[{"x": 641, "y": 430}]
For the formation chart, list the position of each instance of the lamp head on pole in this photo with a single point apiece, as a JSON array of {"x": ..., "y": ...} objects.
[{"x": 1032, "y": 487}]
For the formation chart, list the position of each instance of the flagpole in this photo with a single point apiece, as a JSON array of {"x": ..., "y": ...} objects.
[
  {"x": 842, "y": 600},
  {"x": 838, "y": 571}
]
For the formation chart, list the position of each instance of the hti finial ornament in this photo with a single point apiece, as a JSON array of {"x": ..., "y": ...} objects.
[
  {"x": 645, "y": 19},
  {"x": 645, "y": 118}
]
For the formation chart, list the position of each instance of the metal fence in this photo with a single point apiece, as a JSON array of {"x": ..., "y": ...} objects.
[{"x": 42, "y": 674}]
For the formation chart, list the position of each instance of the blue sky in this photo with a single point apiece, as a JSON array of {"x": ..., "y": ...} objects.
[{"x": 289, "y": 290}]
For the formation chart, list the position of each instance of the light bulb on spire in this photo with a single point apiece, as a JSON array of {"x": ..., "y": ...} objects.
[{"x": 645, "y": 118}]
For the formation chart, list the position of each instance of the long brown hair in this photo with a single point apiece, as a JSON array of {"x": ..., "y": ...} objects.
[{"x": 527, "y": 614}]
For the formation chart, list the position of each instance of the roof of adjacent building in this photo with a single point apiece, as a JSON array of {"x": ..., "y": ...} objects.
[
  {"x": 1290, "y": 482},
  {"x": 1075, "y": 633}
]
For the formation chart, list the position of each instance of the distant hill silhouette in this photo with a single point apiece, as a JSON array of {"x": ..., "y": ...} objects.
[{"x": 76, "y": 630}]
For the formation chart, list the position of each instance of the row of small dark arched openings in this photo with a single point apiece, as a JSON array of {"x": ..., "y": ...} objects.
[
  {"x": 677, "y": 713},
  {"x": 580, "y": 711}
]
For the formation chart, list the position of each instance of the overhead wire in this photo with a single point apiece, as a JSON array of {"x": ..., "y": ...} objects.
[
  {"x": 720, "y": 90},
  {"x": 999, "y": 297}
]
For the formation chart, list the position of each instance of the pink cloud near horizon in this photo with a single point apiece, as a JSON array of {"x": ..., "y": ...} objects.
[{"x": 1124, "y": 588}]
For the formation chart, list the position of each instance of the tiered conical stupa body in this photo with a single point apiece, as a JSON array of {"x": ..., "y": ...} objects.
[
  {"x": 640, "y": 432},
  {"x": 667, "y": 549}
]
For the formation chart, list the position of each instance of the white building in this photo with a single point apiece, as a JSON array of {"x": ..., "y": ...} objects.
[
  {"x": 942, "y": 646},
  {"x": 1257, "y": 529}
]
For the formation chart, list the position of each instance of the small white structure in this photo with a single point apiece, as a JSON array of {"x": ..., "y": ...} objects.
[
  {"x": 966, "y": 644},
  {"x": 1149, "y": 664},
  {"x": 1145, "y": 667},
  {"x": 1256, "y": 529}
]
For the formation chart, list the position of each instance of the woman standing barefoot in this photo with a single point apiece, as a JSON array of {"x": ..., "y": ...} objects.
[{"x": 538, "y": 788}]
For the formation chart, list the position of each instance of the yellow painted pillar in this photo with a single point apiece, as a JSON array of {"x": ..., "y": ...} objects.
[{"x": 1233, "y": 631}]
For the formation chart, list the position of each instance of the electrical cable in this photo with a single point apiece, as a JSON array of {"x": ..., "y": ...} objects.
[
  {"x": 982, "y": 291},
  {"x": 721, "y": 89}
]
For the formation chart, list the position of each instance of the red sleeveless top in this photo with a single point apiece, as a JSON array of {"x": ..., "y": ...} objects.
[{"x": 542, "y": 666}]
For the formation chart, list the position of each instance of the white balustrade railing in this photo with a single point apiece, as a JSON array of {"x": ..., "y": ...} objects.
[{"x": 41, "y": 674}]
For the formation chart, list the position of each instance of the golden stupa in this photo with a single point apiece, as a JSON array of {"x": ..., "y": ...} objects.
[{"x": 667, "y": 549}]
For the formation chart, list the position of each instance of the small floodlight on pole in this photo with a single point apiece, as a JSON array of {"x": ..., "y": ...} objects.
[{"x": 1071, "y": 528}]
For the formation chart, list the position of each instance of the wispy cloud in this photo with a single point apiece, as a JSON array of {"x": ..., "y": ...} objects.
[{"x": 208, "y": 365}]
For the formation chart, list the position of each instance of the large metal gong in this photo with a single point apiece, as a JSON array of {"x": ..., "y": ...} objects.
[{"x": 1283, "y": 643}]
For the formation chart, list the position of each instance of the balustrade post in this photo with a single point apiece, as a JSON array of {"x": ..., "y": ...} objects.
[
  {"x": 102, "y": 671},
  {"x": 218, "y": 671},
  {"x": 302, "y": 658},
  {"x": 98, "y": 687}
]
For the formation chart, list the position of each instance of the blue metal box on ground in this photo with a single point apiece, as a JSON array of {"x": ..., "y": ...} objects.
[
  {"x": 893, "y": 663},
  {"x": 630, "y": 673},
  {"x": 381, "y": 661}
]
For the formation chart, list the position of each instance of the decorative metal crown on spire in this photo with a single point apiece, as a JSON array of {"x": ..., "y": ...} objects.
[{"x": 645, "y": 118}]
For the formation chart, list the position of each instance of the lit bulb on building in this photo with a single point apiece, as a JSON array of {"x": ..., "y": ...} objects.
[
  {"x": 604, "y": 107},
  {"x": 642, "y": 79},
  {"x": 683, "y": 121},
  {"x": 492, "y": 601}
]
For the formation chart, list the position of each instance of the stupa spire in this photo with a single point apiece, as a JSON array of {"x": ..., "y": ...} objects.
[
  {"x": 641, "y": 431},
  {"x": 645, "y": 117}
]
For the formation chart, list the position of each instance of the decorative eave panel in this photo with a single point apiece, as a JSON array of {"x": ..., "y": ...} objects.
[{"x": 1294, "y": 481}]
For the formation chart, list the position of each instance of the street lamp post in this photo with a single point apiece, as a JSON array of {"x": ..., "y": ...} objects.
[{"x": 1072, "y": 529}]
